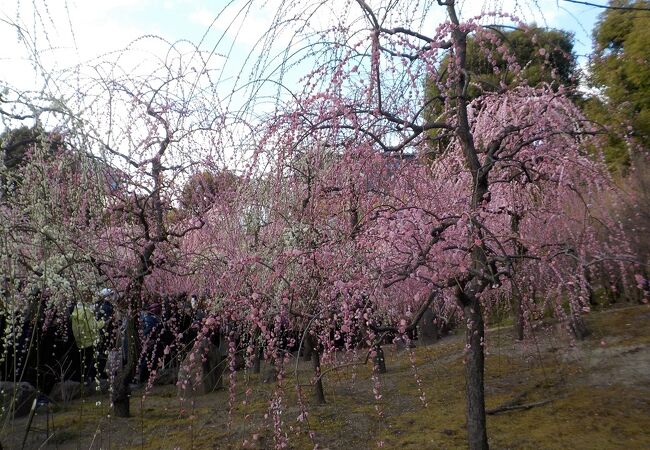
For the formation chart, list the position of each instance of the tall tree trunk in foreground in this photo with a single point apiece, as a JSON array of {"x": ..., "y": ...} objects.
[
  {"x": 474, "y": 373},
  {"x": 467, "y": 295}
]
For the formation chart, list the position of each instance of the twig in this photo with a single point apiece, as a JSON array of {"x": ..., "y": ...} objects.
[{"x": 510, "y": 407}]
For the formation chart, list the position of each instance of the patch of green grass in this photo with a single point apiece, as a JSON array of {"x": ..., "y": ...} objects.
[
  {"x": 585, "y": 417},
  {"x": 627, "y": 325}
]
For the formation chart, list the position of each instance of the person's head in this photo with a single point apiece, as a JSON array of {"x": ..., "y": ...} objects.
[{"x": 106, "y": 295}]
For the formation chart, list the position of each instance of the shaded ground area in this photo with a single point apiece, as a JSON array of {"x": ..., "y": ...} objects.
[{"x": 588, "y": 395}]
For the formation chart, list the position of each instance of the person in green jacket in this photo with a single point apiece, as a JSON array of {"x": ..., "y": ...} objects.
[{"x": 85, "y": 329}]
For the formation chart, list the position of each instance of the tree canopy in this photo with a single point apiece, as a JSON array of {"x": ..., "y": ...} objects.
[
  {"x": 15, "y": 146},
  {"x": 620, "y": 70}
]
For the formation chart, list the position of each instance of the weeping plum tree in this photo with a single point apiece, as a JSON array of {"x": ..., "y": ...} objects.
[
  {"x": 150, "y": 115},
  {"x": 446, "y": 235},
  {"x": 147, "y": 133},
  {"x": 80, "y": 221},
  {"x": 51, "y": 199}
]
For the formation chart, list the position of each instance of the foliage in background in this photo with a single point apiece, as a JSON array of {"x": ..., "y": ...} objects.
[
  {"x": 620, "y": 71},
  {"x": 500, "y": 58}
]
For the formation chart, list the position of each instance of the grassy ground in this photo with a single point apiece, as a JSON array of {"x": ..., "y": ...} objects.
[{"x": 588, "y": 395}]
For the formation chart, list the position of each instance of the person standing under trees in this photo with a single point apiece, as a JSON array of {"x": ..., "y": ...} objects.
[
  {"x": 150, "y": 319},
  {"x": 85, "y": 329},
  {"x": 104, "y": 313}
]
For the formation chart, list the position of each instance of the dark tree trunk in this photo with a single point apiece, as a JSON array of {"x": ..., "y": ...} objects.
[
  {"x": 474, "y": 372},
  {"x": 213, "y": 367},
  {"x": 518, "y": 311},
  {"x": 480, "y": 170},
  {"x": 428, "y": 328},
  {"x": 517, "y": 299},
  {"x": 578, "y": 326},
  {"x": 593, "y": 301},
  {"x": 379, "y": 362},
  {"x": 271, "y": 374},
  {"x": 257, "y": 360},
  {"x": 307, "y": 349},
  {"x": 121, "y": 403},
  {"x": 121, "y": 390},
  {"x": 319, "y": 394}
]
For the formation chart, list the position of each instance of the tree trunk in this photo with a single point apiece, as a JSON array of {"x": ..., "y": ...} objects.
[
  {"x": 120, "y": 398},
  {"x": 379, "y": 362},
  {"x": 517, "y": 306},
  {"x": 480, "y": 170},
  {"x": 319, "y": 394},
  {"x": 474, "y": 374},
  {"x": 307, "y": 349},
  {"x": 593, "y": 301},
  {"x": 428, "y": 328},
  {"x": 257, "y": 360},
  {"x": 518, "y": 311},
  {"x": 121, "y": 390},
  {"x": 213, "y": 367},
  {"x": 271, "y": 374},
  {"x": 578, "y": 326}
]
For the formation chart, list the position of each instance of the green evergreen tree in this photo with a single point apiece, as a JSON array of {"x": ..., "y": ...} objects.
[
  {"x": 620, "y": 71},
  {"x": 543, "y": 55},
  {"x": 15, "y": 145}
]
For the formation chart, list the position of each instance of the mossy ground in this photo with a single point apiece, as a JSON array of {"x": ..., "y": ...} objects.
[{"x": 595, "y": 394}]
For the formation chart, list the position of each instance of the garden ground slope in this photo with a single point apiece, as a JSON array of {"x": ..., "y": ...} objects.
[{"x": 547, "y": 392}]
